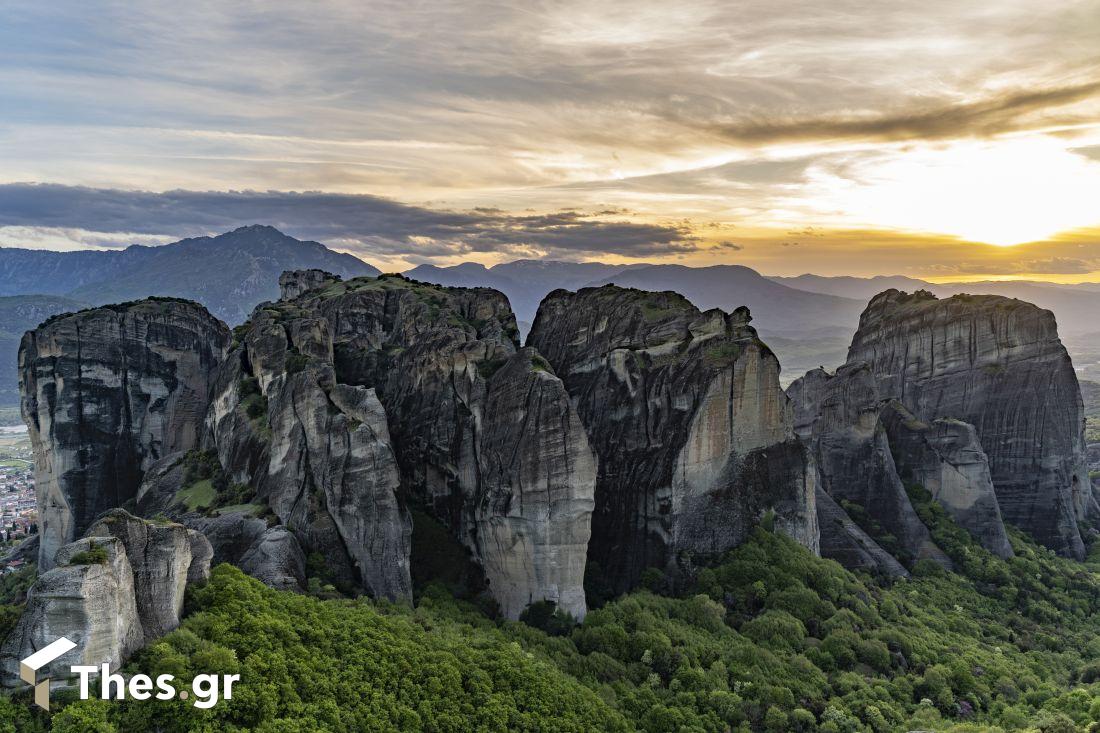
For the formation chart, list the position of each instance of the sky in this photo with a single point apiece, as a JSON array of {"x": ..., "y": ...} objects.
[{"x": 939, "y": 139}]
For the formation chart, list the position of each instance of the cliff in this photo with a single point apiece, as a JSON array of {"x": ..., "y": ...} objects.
[
  {"x": 106, "y": 393},
  {"x": 692, "y": 432},
  {"x": 112, "y": 592},
  {"x": 433, "y": 396},
  {"x": 998, "y": 364}
]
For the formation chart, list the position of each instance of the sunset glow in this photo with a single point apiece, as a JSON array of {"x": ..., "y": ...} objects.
[{"x": 960, "y": 141}]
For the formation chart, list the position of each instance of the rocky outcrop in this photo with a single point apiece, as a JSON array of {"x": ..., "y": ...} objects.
[
  {"x": 271, "y": 555},
  {"x": 345, "y": 391},
  {"x": 294, "y": 283},
  {"x": 692, "y": 432},
  {"x": 996, "y": 363},
  {"x": 276, "y": 559},
  {"x": 844, "y": 541},
  {"x": 316, "y": 451},
  {"x": 854, "y": 458},
  {"x": 110, "y": 593},
  {"x": 163, "y": 562},
  {"x": 106, "y": 393},
  {"x": 91, "y": 602},
  {"x": 532, "y": 518},
  {"x": 946, "y": 458}
]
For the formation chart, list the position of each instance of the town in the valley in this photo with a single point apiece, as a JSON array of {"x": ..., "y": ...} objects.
[{"x": 18, "y": 515}]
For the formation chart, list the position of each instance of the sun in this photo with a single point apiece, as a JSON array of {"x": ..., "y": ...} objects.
[{"x": 1003, "y": 192}]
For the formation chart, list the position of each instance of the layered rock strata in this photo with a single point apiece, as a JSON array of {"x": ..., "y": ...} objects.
[
  {"x": 106, "y": 393},
  {"x": 998, "y": 364},
  {"x": 692, "y": 432}
]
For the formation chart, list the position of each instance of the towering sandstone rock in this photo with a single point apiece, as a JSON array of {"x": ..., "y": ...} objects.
[
  {"x": 420, "y": 386},
  {"x": 853, "y": 454},
  {"x": 110, "y": 593},
  {"x": 946, "y": 458},
  {"x": 996, "y": 363},
  {"x": 316, "y": 451},
  {"x": 107, "y": 392},
  {"x": 691, "y": 429}
]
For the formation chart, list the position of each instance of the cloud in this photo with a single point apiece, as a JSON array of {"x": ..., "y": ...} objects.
[
  {"x": 1043, "y": 266},
  {"x": 369, "y": 225},
  {"x": 1001, "y": 113}
]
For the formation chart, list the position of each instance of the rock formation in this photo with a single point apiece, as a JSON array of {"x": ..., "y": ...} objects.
[
  {"x": 110, "y": 592},
  {"x": 315, "y": 450},
  {"x": 344, "y": 390},
  {"x": 854, "y": 459},
  {"x": 106, "y": 393},
  {"x": 692, "y": 432},
  {"x": 844, "y": 541},
  {"x": 996, "y": 363},
  {"x": 946, "y": 458},
  {"x": 163, "y": 562}
]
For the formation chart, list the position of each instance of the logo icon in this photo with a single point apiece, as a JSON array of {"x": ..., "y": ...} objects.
[{"x": 28, "y": 669}]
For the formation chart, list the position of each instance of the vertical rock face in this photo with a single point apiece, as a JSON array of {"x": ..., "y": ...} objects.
[
  {"x": 162, "y": 561},
  {"x": 844, "y": 541},
  {"x": 91, "y": 604},
  {"x": 317, "y": 451},
  {"x": 854, "y": 459},
  {"x": 691, "y": 429},
  {"x": 107, "y": 392},
  {"x": 997, "y": 364},
  {"x": 296, "y": 282},
  {"x": 532, "y": 516},
  {"x": 356, "y": 387},
  {"x": 946, "y": 458},
  {"x": 110, "y": 592}
]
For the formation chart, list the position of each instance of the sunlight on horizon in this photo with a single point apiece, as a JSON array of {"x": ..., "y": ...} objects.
[{"x": 1003, "y": 193}]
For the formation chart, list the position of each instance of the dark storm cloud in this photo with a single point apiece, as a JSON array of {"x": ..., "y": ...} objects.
[
  {"x": 990, "y": 116},
  {"x": 368, "y": 224}
]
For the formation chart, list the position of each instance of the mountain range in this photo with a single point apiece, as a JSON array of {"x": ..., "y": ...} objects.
[
  {"x": 808, "y": 320},
  {"x": 229, "y": 274}
]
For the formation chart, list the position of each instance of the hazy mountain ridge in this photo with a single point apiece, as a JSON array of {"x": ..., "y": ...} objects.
[
  {"x": 19, "y": 313},
  {"x": 229, "y": 273}
]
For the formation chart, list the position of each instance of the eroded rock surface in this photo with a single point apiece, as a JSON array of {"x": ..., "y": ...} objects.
[
  {"x": 345, "y": 391},
  {"x": 161, "y": 557},
  {"x": 996, "y": 363},
  {"x": 316, "y": 451},
  {"x": 946, "y": 458},
  {"x": 106, "y": 393},
  {"x": 854, "y": 459},
  {"x": 692, "y": 432},
  {"x": 111, "y": 592}
]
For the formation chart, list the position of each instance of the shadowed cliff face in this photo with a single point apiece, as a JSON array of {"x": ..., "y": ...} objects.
[
  {"x": 839, "y": 417},
  {"x": 998, "y": 364},
  {"x": 316, "y": 451},
  {"x": 481, "y": 434},
  {"x": 106, "y": 393},
  {"x": 691, "y": 429}
]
